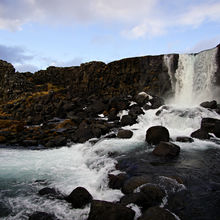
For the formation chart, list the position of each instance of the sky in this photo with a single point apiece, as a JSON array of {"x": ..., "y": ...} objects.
[{"x": 35, "y": 34}]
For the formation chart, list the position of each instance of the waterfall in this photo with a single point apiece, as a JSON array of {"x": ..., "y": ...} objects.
[{"x": 194, "y": 77}]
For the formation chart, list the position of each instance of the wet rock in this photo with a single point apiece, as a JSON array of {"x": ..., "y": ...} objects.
[
  {"x": 184, "y": 139},
  {"x": 124, "y": 133},
  {"x": 127, "y": 120},
  {"x": 42, "y": 216},
  {"x": 142, "y": 98},
  {"x": 82, "y": 135},
  {"x": 156, "y": 134},
  {"x": 156, "y": 102},
  {"x": 157, "y": 213},
  {"x": 135, "y": 198},
  {"x": 116, "y": 181},
  {"x": 109, "y": 211},
  {"x": 112, "y": 116},
  {"x": 3, "y": 139},
  {"x": 79, "y": 197},
  {"x": 211, "y": 125},
  {"x": 166, "y": 149},
  {"x": 200, "y": 134},
  {"x": 4, "y": 209},
  {"x": 131, "y": 184},
  {"x": 97, "y": 107},
  {"x": 50, "y": 192},
  {"x": 28, "y": 143},
  {"x": 135, "y": 110},
  {"x": 211, "y": 104}
]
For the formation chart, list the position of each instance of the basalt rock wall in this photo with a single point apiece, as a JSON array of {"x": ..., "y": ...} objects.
[{"x": 124, "y": 77}]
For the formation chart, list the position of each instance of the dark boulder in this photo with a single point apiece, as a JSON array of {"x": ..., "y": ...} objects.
[
  {"x": 135, "y": 110},
  {"x": 101, "y": 210},
  {"x": 135, "y": 198},
  {"x": 156, "y": 102},
  {"x": 131, "y": 184},
  {"x": 153, "y": 194},
  {"x": 116, "y": 181},
  {"x": 184, "y": 139},
  {"x": 79, "y": 197},
  {"x": 82, "y": 135},
  {"x": 4, "y": 209},
  {"x": 42, "y": 216},
  {"x": 128, "y": 120},
  {"x": 157, "y": 213},
  {"x": 124, "y": 133},
  {"x": 211, "y": 104},
  {"x": 142, "y": 98},
  {"x": 50, "y": 192},
  {"x": 201, "y": 134},
  {"x": 166, "y": 149},
  {"x": 156, "y": 134},
  {"x": 211, "y": 125}
]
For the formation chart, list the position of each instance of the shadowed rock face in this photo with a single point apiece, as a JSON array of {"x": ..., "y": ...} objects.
[{"x": 124, "y": 77}]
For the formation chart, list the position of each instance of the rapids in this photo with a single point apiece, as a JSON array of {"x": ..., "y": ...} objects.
[{"x": 24, "y": 172}]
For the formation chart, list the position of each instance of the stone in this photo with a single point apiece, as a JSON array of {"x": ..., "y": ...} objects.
[
  {"x": 124, "y": 133},
  {"x": 135, "y": 110},
  {"x": 82, "y": 135},
  {"x": 131, "y": 184},
  {"x": 109, "y": 211},
  {"x": 211, "y": 125},
  {"x": 79, "y": 197},
  {"x": 50, "y": 192},
  {"x": 184, "y": 139},
  {"x": 116, "y": 181},
  {"x": 156, "y": 134},
  {"x": 157, "y": 213},
  {"x": 42, "y": 216},
  {"x": 166, "y": 149},
  {"x": 127, "y": 120},
  {"x": 211, "y": 104},
  {"x": 201, "y": 134}
]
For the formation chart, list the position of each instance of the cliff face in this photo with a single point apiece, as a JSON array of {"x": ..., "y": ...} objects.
[{"x": 121, "y": 78}]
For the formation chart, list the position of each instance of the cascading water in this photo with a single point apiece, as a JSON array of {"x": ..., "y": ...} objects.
[
  {"x": 24, "y": 172},
  {"x": 194, "y": 77}
]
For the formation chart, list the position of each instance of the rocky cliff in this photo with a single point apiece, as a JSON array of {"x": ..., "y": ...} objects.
[{"x": 78, "y": 94}]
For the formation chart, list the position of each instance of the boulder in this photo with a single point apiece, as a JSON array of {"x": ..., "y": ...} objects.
[
  {"x": 79, "y": 197},
  {"x": 128, "y": 120},
  {"x": 135, "y": 110},
  {"x": 124, "y": 133},
  {"x": 184, "y": 139},
  {"x": 157, "y": 213},
  {"x": 156, "y": 134},
  {"x": 131, "y": 184},
  {"x": 211, "y": 125},
  {"x": 42, "y": 216},
  {"x": 82, "y": 135},
  {"x": 116, "y": 181},
  {"x": 50, "y": 192},
  {"x": 201, "y": 134},
  {"x": 166, "y": 149},
  {"x": 134, "y": 198},
  {"x": 142, "y": 98},
  {"x": 156, "y": 102},
  {"x": 211, "y": 104},
  {"x": 109, "y": 211}
]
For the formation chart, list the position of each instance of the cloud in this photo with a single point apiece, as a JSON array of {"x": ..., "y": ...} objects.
[
  {"x": 26, "y": 68},
  {"x": 14, "y": 54},
  {"x": 73, "y": 62},
  {"x": 204, "y": 44},
  {"x": 134, "y": 18}
]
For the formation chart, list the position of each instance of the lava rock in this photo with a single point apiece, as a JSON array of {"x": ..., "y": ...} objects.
[
  {"x": 135, "y": 110},
  {"x": 42, "y": 216},
  {"x": 135, "y": 198},
  {"x": 157, "y": 213},
  {"x": 79, "y": 197},
  {"x": 156, "y": 134},
  {"x": 184, "y": 139},
  {"x": 116, "y": 181},
  {"x": 211, "y": 104},
  {"x": 131, "y": 184},
  {"x": 166, "y": 149},
  {"x": 109, "y": 211},
  {"x": 124, "y": 133}
]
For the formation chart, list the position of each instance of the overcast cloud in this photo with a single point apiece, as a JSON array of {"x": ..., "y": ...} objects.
[{"x": 137, "y": 18}]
